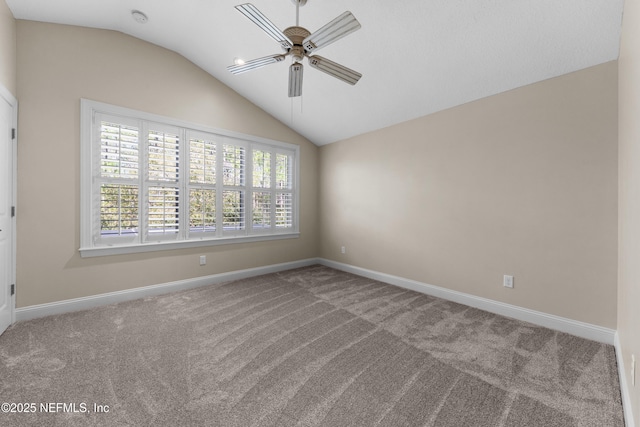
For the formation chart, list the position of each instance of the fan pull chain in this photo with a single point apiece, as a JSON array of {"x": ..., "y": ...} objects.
[{"x": 292, "y": 101}]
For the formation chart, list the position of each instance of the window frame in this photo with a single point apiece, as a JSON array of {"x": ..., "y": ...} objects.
[{"x": 93, "y": 243}]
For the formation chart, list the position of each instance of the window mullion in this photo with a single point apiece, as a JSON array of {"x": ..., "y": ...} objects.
[
  {"x": 248, "y": 192},
  {"x": 219, "y": 187},
  {"x": 183, "y": 181},
  {"x": 96, "y": 178},
  {"x": 273, "y": 189},
  {"x": 143, "y": 197}
]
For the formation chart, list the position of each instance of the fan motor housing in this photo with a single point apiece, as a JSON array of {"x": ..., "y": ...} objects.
[{"x": 297, "y": 36}]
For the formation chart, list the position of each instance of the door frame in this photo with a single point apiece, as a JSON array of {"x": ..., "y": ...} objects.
[{"x": 13, "y": 102}]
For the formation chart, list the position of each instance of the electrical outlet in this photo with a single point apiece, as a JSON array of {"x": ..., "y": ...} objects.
[
  {"x": 203, "y": 260},
  {"x": 633, "y": 370},
  {"x": 507, "y": 282},
  {"x": 343, "y": 250}
]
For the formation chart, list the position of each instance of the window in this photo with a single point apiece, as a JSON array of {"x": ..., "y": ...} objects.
[{"x": 153, "y": 183}]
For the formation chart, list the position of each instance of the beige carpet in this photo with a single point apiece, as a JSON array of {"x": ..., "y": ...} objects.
[{"x": 307, "y": 347}]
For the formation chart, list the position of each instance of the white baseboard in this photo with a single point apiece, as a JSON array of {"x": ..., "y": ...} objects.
[
  {"x": 624, "y": 386},
  {"x": 581, "y": 329},
  {"x": 573, "y": 327},
  {"x": 77, "y": 304}
]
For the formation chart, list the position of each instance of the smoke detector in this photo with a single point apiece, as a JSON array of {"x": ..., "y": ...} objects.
[{"x": 139, "y": 17}]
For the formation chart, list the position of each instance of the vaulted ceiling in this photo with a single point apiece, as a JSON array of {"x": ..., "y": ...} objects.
[{"x": 416, "y": 56}]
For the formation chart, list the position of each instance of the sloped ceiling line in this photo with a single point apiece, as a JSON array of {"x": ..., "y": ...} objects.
[{"x": 417, "y": 57}]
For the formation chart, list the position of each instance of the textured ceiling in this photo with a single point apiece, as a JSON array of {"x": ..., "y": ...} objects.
[{"x": 416, "y": 56}]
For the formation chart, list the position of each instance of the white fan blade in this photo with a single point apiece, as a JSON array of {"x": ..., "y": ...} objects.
[
  {"x": 252, "y": 12},
  {"x": 334, "y": 30},
  {"x": 254, "y": 63},
  {"x": 295, "y": 80},
  {"x": 334, "y": 69}
]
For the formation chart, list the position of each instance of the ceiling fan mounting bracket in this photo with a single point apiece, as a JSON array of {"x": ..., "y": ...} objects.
[
  {"x": 296, "y": 34},
  {"x": 299, "y": 2}
]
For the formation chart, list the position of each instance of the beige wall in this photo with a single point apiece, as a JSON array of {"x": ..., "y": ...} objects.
[
  {"x": 629, "y": 197},
  {"x": 7, "y": 48},
  {"x": 521, "y": 183},
  {"x": 58, "y": 65}
]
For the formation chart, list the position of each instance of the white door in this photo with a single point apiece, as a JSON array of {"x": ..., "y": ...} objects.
[{"x": 6, "y": 214}]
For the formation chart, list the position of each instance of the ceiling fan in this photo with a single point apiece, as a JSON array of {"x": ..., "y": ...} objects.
[{"x": 299, "y": 43}]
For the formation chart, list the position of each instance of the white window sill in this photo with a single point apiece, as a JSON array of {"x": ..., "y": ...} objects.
[{"x": 165, "y": 246}]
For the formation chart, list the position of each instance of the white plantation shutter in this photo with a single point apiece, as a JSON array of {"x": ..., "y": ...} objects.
[
  {"x": 203, "y": 160},
  {"x": 163, "y": 155},
  {"x": 162, "y": 193},
  {"x": 150, "y": 181},
  {"x": 261, "y": 168},
  {"x": 163, "y": 212},
  {"x": 261, "y": 210},
  {"x": 284, "y": 210},
  {"x": 233, "y": 203},
  {"x": 119, "y": 154},
  {"x": 118, "y": 209},
  {"x": 284, "y": 205},
  {"x": 261, "y": 195},
  {"x": 116, "y": 180},
  {"x": 272, "y": 189}
]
